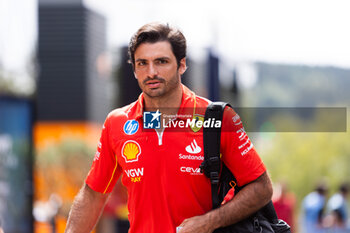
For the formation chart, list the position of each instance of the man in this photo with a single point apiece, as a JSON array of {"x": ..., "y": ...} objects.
[
  {"x": 284, "y": 203},
  {"x": 161, "y": 167},
  {"x": 338, "y": 210},
  {"x": 313, "y": 207}
]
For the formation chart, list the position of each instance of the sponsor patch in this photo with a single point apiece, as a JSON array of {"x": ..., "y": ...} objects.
[
  {"x": 235, "y": 118},
  {"x": 247, "y": 149},
  {"x": 196, "y": 127},
  {"x": 242, "y": 134},
  {"x": 97, "y": 156},
  {"x": 135, "y": 174},
  {"x": 193, "y": 148},
  {"x": 191, "y": 170},
  {"x": 131, "y": 127},
  {"x": 191, "y": 157},
  {"x": 131, "y": 151},
  {"x": 98, "y": 152}
]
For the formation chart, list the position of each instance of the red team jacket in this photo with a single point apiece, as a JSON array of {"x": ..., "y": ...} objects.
[{"x": 161, "y": 170}]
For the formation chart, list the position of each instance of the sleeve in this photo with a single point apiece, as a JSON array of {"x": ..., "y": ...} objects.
[
  {"x": 238, "y": 152},
  {"x": 105, "y": 170}
]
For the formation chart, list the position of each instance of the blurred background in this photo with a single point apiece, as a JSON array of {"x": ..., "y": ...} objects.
[{"x": 63, "y": 67}]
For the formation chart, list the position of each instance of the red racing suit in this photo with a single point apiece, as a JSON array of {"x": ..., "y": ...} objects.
[{"x": 161, "y": 169}]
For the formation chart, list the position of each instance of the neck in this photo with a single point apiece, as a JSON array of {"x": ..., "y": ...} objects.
[{"x": 168, "y": 104}]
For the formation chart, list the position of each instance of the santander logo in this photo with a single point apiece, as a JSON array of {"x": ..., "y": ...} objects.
[{"x": 193, "y": 148}]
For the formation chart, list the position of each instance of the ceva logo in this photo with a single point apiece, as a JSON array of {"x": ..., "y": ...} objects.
[
  {"x": 191, "y": 170},
  {"x": 193, "y": 148}
]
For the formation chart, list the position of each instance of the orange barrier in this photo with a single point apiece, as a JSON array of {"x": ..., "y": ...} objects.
[{"x": 64, "y": 184}]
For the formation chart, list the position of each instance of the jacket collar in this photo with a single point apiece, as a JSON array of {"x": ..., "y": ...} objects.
[{"x": 187, "y": 106}]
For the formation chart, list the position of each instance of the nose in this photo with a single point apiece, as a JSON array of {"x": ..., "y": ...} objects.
[{"x": 152, "y": 70}]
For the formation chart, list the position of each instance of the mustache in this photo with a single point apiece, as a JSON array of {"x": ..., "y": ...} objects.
[{"x": 156, "y": 78}]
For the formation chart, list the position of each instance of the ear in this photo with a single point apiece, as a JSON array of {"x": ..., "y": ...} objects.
[{"x": 182, "y": 66}]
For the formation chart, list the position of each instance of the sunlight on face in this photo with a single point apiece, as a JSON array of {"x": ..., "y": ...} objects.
[{"x": 156, "y": 68}]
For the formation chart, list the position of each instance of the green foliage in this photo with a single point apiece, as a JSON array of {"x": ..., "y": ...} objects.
[
  {"x": 305, "y": 159},
  {"x": 299, "y": 158},
  {"x": 296, "y": 85}
]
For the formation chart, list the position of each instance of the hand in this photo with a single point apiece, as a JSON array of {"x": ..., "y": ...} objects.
[{"x": 197, "y": 224}]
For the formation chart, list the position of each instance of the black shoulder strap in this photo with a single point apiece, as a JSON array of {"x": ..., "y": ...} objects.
[
  {"x": 211, "y": 140},
  {"x": 211, "y": 165}
]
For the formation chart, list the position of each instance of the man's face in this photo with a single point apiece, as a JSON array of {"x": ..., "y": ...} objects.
[{"x": 156, "y": 68}]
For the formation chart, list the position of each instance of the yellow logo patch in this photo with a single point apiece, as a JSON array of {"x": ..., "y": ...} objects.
[
  {"x": 131, "y": 151},
  {"x": 197, "y": 118}
]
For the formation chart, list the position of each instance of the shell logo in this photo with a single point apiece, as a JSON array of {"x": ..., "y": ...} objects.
[{"x": 131, "y": 151}]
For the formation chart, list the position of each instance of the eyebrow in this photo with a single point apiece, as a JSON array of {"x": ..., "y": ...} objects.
[
  {"x": 158, "y": 58},
  {"x": 140, "y": 59},
  {"x": 162, "y": 58}
]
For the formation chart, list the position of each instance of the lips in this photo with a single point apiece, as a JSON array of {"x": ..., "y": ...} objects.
[{"x": 153, "y": 83}]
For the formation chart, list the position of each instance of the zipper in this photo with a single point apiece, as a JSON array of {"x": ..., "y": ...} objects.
[{"x": 160, "y": 136}]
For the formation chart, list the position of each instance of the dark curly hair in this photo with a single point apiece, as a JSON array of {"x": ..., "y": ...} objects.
[{"x": 155, "y": 32}]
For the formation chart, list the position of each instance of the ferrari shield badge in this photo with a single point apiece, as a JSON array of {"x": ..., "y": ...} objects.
[{"x": 196, "y": 127}]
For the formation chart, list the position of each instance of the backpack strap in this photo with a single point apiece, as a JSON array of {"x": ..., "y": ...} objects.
[{"x": 211, "y": 165}]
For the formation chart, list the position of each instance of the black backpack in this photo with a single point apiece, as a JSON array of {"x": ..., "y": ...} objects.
[{"x": 264, "y": 220}]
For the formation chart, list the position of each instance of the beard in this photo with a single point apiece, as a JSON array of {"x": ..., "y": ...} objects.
[{"x": 164, "y": 89}]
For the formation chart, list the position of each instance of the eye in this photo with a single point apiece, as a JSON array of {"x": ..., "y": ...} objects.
[
  {"x": 162, "y": 61},
  {"x": 141, "y": 63}
]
